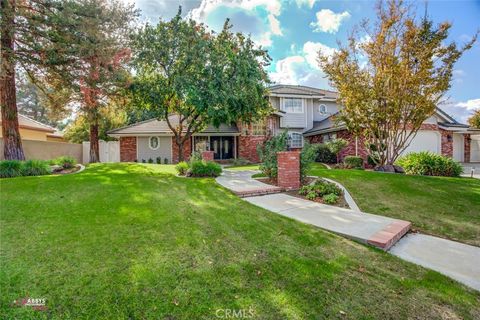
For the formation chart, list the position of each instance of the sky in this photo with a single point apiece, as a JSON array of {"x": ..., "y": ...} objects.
[{"x": 293, "y": 31}]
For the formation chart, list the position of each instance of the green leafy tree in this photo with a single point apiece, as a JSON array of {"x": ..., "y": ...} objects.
[
  {"x": 336, "y": 145},
  {"x": 268, "y": 153},
  {"x": 191, "y": 77},
  {"x": 474, "y": 120},
  {"x": 391, "y": 83}
]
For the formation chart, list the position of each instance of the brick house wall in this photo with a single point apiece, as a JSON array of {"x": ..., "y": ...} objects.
[
  {"x": 128, "y": 149},
  {"x": 247, "y": 142},
  {"x": 187, "y": 150}
]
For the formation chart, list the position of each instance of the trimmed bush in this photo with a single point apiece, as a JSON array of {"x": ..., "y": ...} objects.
[
  {"x": 353, "y": 162},
  {"x": 319, "y": 189},
  {"x": 158, "y": 160},
  {"x": 182, "y": 168},
  {"x": 429, "y": 164},
  {"x": 66, "y": 162},
  {"x": 330, "y": 198},
  {"x": 201, "y": 168},
  {"x": 307, "y": 157},
  {"x": 325, "y": 155},
  {"x": 35, "y": 168},
  {"x": 10, "y": 168}
]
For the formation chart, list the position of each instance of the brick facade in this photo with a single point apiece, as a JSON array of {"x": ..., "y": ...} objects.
[
  {"x": 187, "y": 150},
  {"x": 247, "y": 142},
  {"x": 208, "y": 155},
  {"x": 288, "y": 169},
  {"x": 128, "y": 149},
  {"x": 466, "y": 147},
  {"x": 447, "y": 143},
  {"x": 354, "y": 146}
]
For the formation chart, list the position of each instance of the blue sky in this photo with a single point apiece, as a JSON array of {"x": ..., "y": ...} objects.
[{"x": 294, "y": 30}]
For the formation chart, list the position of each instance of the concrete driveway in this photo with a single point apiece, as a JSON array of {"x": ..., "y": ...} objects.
[{"x": 467, "y": 170}]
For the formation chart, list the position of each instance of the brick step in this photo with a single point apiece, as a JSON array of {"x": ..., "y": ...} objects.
[
  {"x": 259, "y": 192},
  {"x": 388, "y": 236}
]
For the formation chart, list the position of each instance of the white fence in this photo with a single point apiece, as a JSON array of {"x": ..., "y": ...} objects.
[{"x": 109, "y": 151}]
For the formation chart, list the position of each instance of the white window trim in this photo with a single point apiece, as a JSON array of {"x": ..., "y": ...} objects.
[
  {"x": 319, "y": 108},
  {"x": 150, "y": 144},
  {"x": 291, "y": 139},
  {"x": 303, "y": 105}
]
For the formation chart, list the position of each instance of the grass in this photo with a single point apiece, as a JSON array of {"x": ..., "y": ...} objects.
[
  {"x": 133, "y": 241},
  {"x": 441, "y": 206}
]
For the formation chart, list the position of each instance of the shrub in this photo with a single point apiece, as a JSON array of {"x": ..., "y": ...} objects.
[
  {"x": 182, "y": 168},
  {"x": 336, "y": 145},
  {"x": 35, "y": 168},
  {"x": 307, "y": 157},
  {"x": 165, "y": 161},
  {"x": 429, "y": 164},
  {"x": 196, "y": 156},
  {"x": 311, "y": 195},
  {"x": 66, "y": 162},
  {"x": 10, "y": 168},
  {"x": 268, "y": 153},
  {"x": 202, "y": 168},
  {"x": 325, "y": 155},
  {"x": 150, "y": 160},
  {"x": 353, "y": 162},
  {"x": 330, "y": 198},
  {"x": 158, "y": 160},
  {"x": 320, "y": 188}
]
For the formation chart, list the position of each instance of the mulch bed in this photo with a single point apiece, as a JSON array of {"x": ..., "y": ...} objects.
[{"x": 341, "y": 201}]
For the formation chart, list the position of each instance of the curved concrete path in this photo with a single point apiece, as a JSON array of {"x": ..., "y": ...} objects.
[{"x": 456, "y": 260}]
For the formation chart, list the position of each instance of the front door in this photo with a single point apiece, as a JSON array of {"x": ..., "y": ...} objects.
[{"x": 222, "y": 147}]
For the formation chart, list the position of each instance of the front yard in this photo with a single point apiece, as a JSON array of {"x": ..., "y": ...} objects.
[
  {"x": 445, "y": 207},
  {"x": 133, "y": 241}
]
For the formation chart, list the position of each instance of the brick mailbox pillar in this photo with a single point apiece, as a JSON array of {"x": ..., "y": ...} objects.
[
  {"x": 207, "y": 155},
  {"x": 288, "y": 169}
]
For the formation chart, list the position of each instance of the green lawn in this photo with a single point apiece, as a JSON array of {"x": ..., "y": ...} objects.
[
  {"x": 133, "y": 241},
  {"x": 446, "y": 207},
  {"x": 243, "y": 167}
]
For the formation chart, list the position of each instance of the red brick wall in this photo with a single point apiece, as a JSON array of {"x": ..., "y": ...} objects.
[
  {"x": 208, "y": 155},
  {"x": 447, "y": 143},
  {"x": 128, "y": 149},
  {"x": 187, "y": 150},
  {"x": 247, "y": 143},
  {"x": 315, "y": 139},
  {"x": 288, "y": 169},
  {"x": 466, "y": 149},
  {"x": 349, "y": 150}
]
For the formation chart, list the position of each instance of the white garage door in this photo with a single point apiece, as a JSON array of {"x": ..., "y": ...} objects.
[
  {"x": 475, "y": 148},
  {"x": 425, "y": 141}
]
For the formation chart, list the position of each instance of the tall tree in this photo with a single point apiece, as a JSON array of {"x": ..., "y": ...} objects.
[
  {"x": 191, "y": 77},
  {"x": 34, "y": 37},
  {"x": 474, "y": 120},
  {"x": 391, "y": 83}
]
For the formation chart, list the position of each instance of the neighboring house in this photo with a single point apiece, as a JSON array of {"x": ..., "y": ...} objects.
[
  {"x": 307, "y": 114},
  {"x": 33, "y": 130}
]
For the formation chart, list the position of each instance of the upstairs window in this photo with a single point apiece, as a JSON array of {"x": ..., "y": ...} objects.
[
  {"x": 322, "y": 109},
  {"x": 296, "y": 140},
  {"x": 259, "y": 128},
  {"x": 293, "y": 105}
]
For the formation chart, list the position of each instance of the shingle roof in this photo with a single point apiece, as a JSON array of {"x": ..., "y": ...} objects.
[
  {"x": 154, "y": 126},
  {"x": 26, "y": 122},
  {"x": 301, "y": 90}
]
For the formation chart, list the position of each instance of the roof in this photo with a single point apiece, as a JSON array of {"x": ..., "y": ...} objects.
[
  {"x": 155, "y": 126},
  {"x": 28, "y": 123},
  {"x": 283, "y": 89}
]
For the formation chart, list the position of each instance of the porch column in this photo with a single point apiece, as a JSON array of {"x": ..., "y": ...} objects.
[{"x": 466, "y": 148}]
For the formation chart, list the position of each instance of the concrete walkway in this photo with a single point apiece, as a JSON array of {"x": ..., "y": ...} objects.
[
  {"x": 242, "y": 183},
  {"x": 456, "y": 260},
  {"x": 467, "y": 170}
]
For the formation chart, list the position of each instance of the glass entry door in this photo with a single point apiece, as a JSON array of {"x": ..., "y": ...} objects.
[{"x": 222, "y": 147}]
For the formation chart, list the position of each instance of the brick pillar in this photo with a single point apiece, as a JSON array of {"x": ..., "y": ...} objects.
[
  {"x": 288, "y": 169},
  {"x": 447, "y": 143},
  {"x": 466, "y": 148},
  {"x": 207, "y": 155}
]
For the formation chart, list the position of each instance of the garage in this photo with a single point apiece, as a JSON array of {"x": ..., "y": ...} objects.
[
  {"x": 475, "y": 148},
  {"x": 424, "y": 141}
]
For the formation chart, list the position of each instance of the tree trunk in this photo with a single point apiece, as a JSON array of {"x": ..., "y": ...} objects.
[
  {"x": 94, "y": 148},
  {"x": 12, "y": 143},
  {"x": 180, "y": 150}
]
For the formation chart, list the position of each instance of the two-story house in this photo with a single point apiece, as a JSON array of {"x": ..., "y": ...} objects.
[{"x": 307, "y": 115}]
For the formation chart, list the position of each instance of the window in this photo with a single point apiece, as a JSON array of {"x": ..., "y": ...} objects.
[
  {"x": 322, "y": 108},
  {"x": 154, "y": 143},
  {"x": 259, "y": 128},
  {"x": 201, "y": 144},
  {"x": 329, "y": 136},
  {"x": 296, "y": 140},
  {"x": 293, "y": 105}
]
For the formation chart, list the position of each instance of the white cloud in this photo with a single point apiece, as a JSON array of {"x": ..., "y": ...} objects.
[
  {"x": 308, "y": 3},
  {"x": 311, "y": 50},
  {"x": 302, "y": 68},
  {"x": 245, "y": 15},
  {"x": 461, "y": 111},
  {"x": 328, "y": 21}
]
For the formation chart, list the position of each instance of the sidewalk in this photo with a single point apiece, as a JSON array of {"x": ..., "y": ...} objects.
[{"x": 456, "y": 260}]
